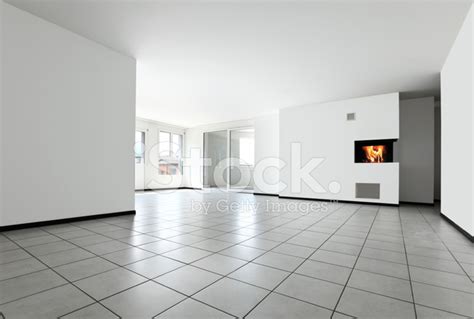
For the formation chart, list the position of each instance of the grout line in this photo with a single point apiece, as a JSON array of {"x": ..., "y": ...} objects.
[
  {"x": 291, "y": 273},
  {"x": 357, "y": 259},
  {"x": 408, "y": 266}
]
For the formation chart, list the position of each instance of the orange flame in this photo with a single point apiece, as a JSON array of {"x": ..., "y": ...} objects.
[{"x": 374, "y": 153}]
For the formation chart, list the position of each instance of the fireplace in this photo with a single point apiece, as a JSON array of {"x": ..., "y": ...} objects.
[{"x": 373, "y": 151}]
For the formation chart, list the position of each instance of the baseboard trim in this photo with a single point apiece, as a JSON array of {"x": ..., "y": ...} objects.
[
  {"x": 339, "y": 201},
  {"x": 266, "y": 194},
  {"x": 64, "y": 220},
  {"x": 459, "y": 228},
  {"x": 167, "y": 189},
  {"x": 417, "y": 203}
]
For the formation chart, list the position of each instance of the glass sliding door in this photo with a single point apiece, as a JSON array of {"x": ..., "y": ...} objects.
[
  {"x": 215, "y": 151},
  {"x": 242, "y": 149}
]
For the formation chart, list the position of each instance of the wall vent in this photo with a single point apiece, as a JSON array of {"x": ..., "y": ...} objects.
[
  {"x": 351, "y": 116},
  {"x": 368, "y": 190}
]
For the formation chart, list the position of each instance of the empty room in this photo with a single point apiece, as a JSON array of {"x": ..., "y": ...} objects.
[{"x": 236, "y": 159}]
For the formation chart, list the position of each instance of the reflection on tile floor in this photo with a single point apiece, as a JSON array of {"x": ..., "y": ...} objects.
[{"x": 247, "y": 256}]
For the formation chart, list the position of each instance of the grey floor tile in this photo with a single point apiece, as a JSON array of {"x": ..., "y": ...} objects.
[
  {"x": 443, "y": 299},
  {"x": 384, "y": 285},
  {"x": 160, "y": 247},
  {"x": 8, "y": 245},
  {"x": 192, "y": 309},
  {"x": 28, "y": 242},
  {"x": 398, "y": 247},
  {"x": 105, "y": 284},
  {"x": 435, "y": 263},
  {"x": 89, "y": 240},
  {"x": 243, "y": 252},
  {"x": 166, "y": 233},
  {"x": 219, "y": 264},
  {"x": 29, "y": 284},
  {"x": 139, "y": 240},
  {"x": 315, "y": 291},
  {"x": 427, "y": 252},
  {"x": 95, "y": 311},
  {"x": 329, "y": 272},
  {"x": 442, "y": 279},
  {"x": 21, "y": 267},
  {"x": 232, "y": 238},
  {"x": 187, "y": 254},
  {"x": 212, "y": 245},
  {"x": 107, "y": 247},
  {"x": 13, "y": 255},
  {"x": 430, "y": 313},
  {"x": 122, "y": 233},
  {"x": 85, "y": 268},
  {"x": 75, "y": 234},
  {"x": 48, "y": 304},
  {"x": 263, "y": 244},
  {"x": 188, "y": 279},
  {"x": 186, "y": 239},
  {"x": 259, "y": 275},
  {"x": 222, "y": 295},
  {"x": 382, "y": 267},
  {"x": 25, "y": 233},
  {"x": 127, "y": 256},
  {"x": 154, "y": 266},
  {"x": 277, "y": 306},
  {"x": 293, "y": 250},
  {"x": 65, "y": 257},
  {"x": 334, "y": 258},
  {"x": 363, "y": 304},
  {"x": 280, "y": 261},
  {"x": 386, "y": 255},
  {"x": 143, "y": 301},
  {"x": 341, "y": 248},
  {"x": 45, "y": 249}
]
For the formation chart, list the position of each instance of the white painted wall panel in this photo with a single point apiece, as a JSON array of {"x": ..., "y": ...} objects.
[
  {"x": 457, "y": 137},
  {"x": 68, "y": 123},
  {"x": 323, "y": 132}
]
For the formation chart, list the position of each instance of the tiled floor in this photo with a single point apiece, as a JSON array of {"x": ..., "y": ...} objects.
[{"x": 252, "y": 260}]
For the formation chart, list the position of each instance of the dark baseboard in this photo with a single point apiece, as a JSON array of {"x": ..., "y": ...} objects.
[
  {"x": 265, "y": 194},
  {"x": 168, "y": 189},
  {"x": 461, "y": 230},
  {"x": 417, "y": 203},
  {"x": 339, "y": 201},
  {"x": 64, "y": 220}
]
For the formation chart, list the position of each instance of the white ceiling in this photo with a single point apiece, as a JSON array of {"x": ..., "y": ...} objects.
[{"x": 202, "y": 62}]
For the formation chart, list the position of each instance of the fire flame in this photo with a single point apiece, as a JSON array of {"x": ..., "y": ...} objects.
[{"x": 374, "y": 153}]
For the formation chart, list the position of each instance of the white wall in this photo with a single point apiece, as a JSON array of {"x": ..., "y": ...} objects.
[
  {"x": 1, "y": 113},
  {"x": 267, "y": 136},
  {"x": 457, "y": 118},
  {"x": 154, "y": 180},
  {"x": 68, "y": 123},
  {"x": 437, "y": 158},
  {"x": 323, "y": 132},
  {"x": 415, "y": 150}
]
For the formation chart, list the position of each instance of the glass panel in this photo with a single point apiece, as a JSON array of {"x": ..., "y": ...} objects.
[
  {"x": 242, "y": 147},
  {"x": 176, "y": 146},
  {"x": 139, "y": 146},
  {"x": 215, "y": 152},
  {"x": 164, "y": 144}
]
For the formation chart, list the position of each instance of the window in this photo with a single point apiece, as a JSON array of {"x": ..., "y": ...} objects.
[
  {"x": 170, "y": 153},
  {"x": 139, "y": 147},
  {"x": 246, "y": 151}
]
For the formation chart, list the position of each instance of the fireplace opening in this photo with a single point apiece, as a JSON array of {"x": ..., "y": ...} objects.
[{"x": 373, "y": 151}]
